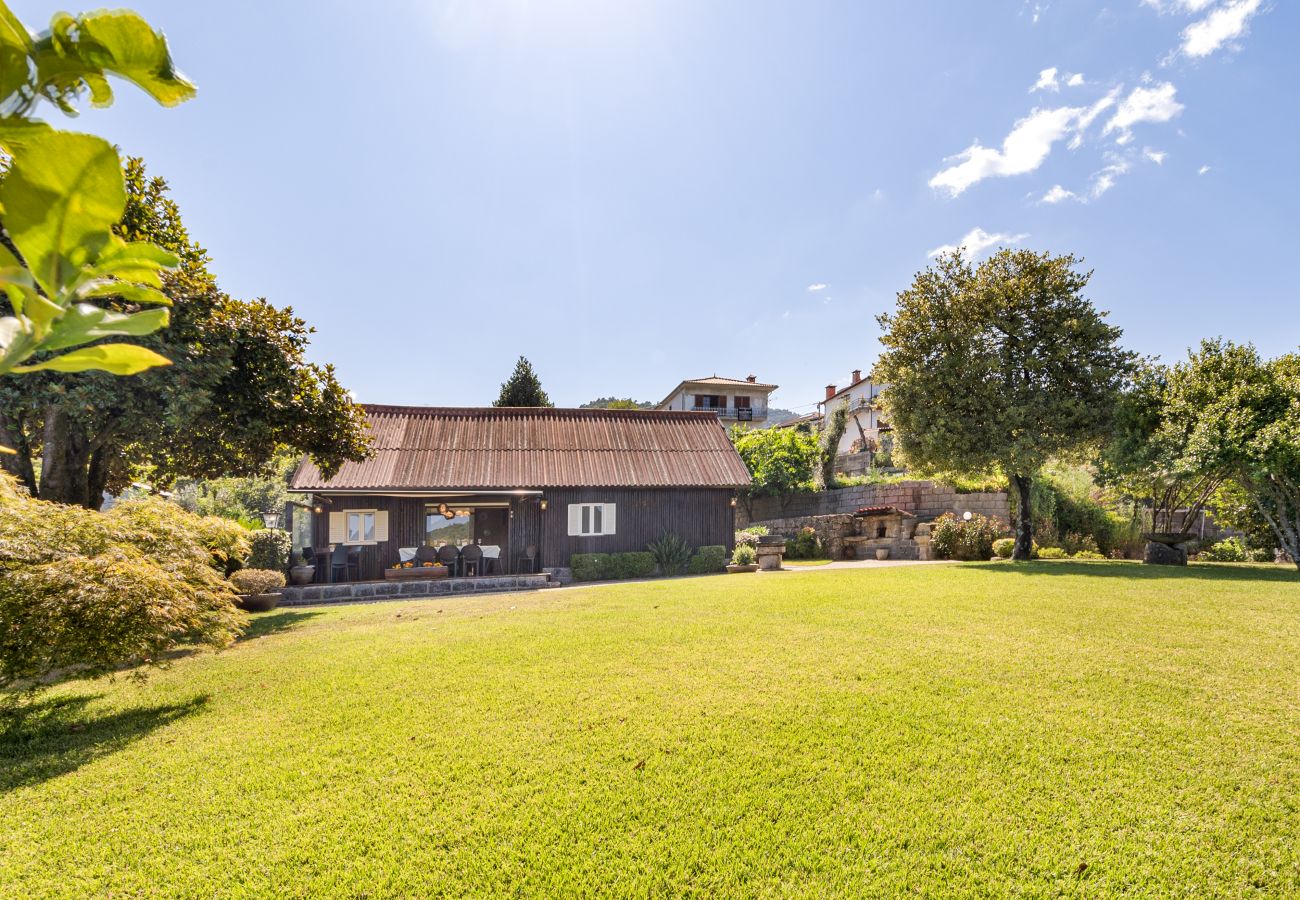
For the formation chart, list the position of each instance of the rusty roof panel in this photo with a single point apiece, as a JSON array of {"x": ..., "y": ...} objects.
[{"x": 448, "y": 448}]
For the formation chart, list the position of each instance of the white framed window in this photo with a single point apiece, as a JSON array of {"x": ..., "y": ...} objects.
[
  {"x": 359, "y": 527},
  {"x": 591, "y": 519}
]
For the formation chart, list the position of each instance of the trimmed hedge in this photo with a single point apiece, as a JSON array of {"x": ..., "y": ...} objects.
[
  {"x": 639, "y": 564},
  {"x": 612, "y": 566},
  {"x": 708, "y": 559}
]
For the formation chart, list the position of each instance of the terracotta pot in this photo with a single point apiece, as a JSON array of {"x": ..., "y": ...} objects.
[
  {"x": 302, "y": 574},
  {"x": 258, "y": 602},
  {"x": 882, "y": 553},
  {"x": 735, "y": 569}
]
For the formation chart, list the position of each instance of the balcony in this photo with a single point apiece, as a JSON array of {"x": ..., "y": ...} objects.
[{"x": 739, "y": 413}]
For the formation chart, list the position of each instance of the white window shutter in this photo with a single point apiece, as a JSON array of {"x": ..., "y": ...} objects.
[
  {"x": 608, "y": 524},
  {"x": 381, "y": 525},
  {"x": 337, "y": 535},
  {"x": 575, "y": 519}
]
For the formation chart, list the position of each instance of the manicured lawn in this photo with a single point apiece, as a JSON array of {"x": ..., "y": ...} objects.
[
  {"x": 1079, "y": 729},
  {"x": 805, "y": 562}
]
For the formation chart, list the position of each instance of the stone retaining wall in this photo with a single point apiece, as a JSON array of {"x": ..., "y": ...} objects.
[
  {"x": 924, "y": 499},
  {"x": 413, "y": 589}
]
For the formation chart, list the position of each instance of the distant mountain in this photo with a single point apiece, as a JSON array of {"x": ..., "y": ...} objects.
[
  {"x": 616, "y": 403},
  {"x": 777, "y": 416}
]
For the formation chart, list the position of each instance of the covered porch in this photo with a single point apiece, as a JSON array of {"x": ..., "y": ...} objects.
[{"x": 404, "y": 536}]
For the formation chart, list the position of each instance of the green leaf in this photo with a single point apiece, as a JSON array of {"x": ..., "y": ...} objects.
[
  {"x": 61, "y": 197},
  {"x": 131, "y": 293},
  {"x": 119, "y": 359},
  {"x": 84, "y": 323},
  {"x": 117, "y": 42}
]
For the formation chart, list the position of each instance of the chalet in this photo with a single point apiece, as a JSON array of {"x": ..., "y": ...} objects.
[{"x": 533, "y": 485}]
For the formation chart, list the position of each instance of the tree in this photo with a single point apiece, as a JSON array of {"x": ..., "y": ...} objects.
[
  {"x": 1244, "y": 417},
  {"x": 617, "y": 403},
  {"x": 238, "y": 391},
  {"x": 1145, "y": 458},
  {"x": 829, "y": 445},
  {"x": 781, "y": 461},
  {"x": 1005, "y": 365},
  {"x": 63, "y": 193},
  {"x": 523, "y": 388}
]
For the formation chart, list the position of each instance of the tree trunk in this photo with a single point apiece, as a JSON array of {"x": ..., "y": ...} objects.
[
  {"x": 19, "y": 463},
  {"x": 1024, "y": 550},
  {"x": 65, "y": 461}
]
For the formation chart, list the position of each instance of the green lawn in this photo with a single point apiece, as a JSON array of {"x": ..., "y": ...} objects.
[
  {"x": 805, "y": 562},
  {"x": 1078, "y": 729}
]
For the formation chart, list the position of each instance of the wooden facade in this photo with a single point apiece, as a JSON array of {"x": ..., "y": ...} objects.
[{"x": 701, "y": 517}]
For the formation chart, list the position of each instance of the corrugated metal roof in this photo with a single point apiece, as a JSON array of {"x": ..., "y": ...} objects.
[{"x": 446, "y": 448}]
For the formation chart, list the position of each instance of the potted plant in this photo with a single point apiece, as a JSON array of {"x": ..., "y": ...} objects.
[
  {"x": 304, "y": 572},
  {"x": 743, "y": 560},
  {"x": 258, "y": 589}
]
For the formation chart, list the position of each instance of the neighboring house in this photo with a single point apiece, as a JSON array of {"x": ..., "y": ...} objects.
[
  {"x": 731, "y": 399},
  {"x": 866, "y": 430},
  {"x": 541, "y": 484}
]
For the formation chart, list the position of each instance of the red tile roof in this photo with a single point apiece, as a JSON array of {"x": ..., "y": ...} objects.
[{"x": 431, "y": 448}]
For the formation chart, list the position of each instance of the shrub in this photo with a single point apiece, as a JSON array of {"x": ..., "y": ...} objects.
[
  {"x": 1231, "y": 549},
  {"x": 749, "y": 536},
  {"x": 1074, "y": 543},
  {"x": 712, "y": 558},
  {"x": 952, "y": 537},
  {"x": 269, "y": 549},
  {"x": 804, "y": 545},
  {"x": 589, "y": 566},
  {"x": 671, "y": 553},
  {"x": 85, "y": 592},
  {"x": 638, "y": 564},
  {"x": 745, "y": 555},
  {"x": 1052, "y": 553},
  {"x": 1087, "y": 554},
  {"x": 257, "y": 581},
  {"x": 1004, "y": 547}
]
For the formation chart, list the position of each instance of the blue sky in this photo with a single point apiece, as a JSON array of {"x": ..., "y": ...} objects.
[{"x": 631, "y": 193}]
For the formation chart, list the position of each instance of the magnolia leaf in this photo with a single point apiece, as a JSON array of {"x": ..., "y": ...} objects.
[
  {"x": 84, "y": 323},
  {"x": 140, "y": 253},
  {"x": 119, "y": 359},
  {"x": 131, "y": 293},
  {"x": 61, "y": 196},
  {"x": 117, "y": 42}
]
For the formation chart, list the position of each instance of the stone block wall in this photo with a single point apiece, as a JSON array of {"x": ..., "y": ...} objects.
[
  {"x": 924, "y": 499},
  {"x": 407, "y": 589}
]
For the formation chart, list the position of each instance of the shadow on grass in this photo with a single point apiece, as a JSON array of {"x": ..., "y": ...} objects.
[
  {"x": 274, "y": 623},
  {"x": 48, "y": 738},
  {"x": 1135, "y": 571}
]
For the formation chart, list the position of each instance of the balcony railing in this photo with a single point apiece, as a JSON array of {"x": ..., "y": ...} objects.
[{"x": 739, "y": 413}]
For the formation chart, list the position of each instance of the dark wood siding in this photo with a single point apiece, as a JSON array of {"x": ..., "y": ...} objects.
[
  {"x": 701, "y": 517},
  {"x": 406, "y": 528}
]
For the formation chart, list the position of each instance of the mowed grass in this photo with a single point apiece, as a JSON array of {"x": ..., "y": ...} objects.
[{"x": 1056, "y": 729}]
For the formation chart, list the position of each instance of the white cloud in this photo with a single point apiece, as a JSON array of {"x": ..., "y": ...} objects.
[
  {"x": 977, "y": 240},
  {"x": 1058, "y": 194},
  {"x": 1226, "y": 23},
  {"x": 1165, "y": 6},
  {"x": 1074, "y": 80},
  {"x": 1203, "y": 170},
  {"x": 1046, "y": 81},
  {"x": 1023, "y": 150},
  {"x": 1104, "y": 180},
  {"x": 1155, "y": 156},
  {"x": 1154, "y": 104},
  {"x": 816, "y": 286}
]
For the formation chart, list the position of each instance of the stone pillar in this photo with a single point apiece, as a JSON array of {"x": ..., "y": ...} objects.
[{"x": 770, "y": 552}]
